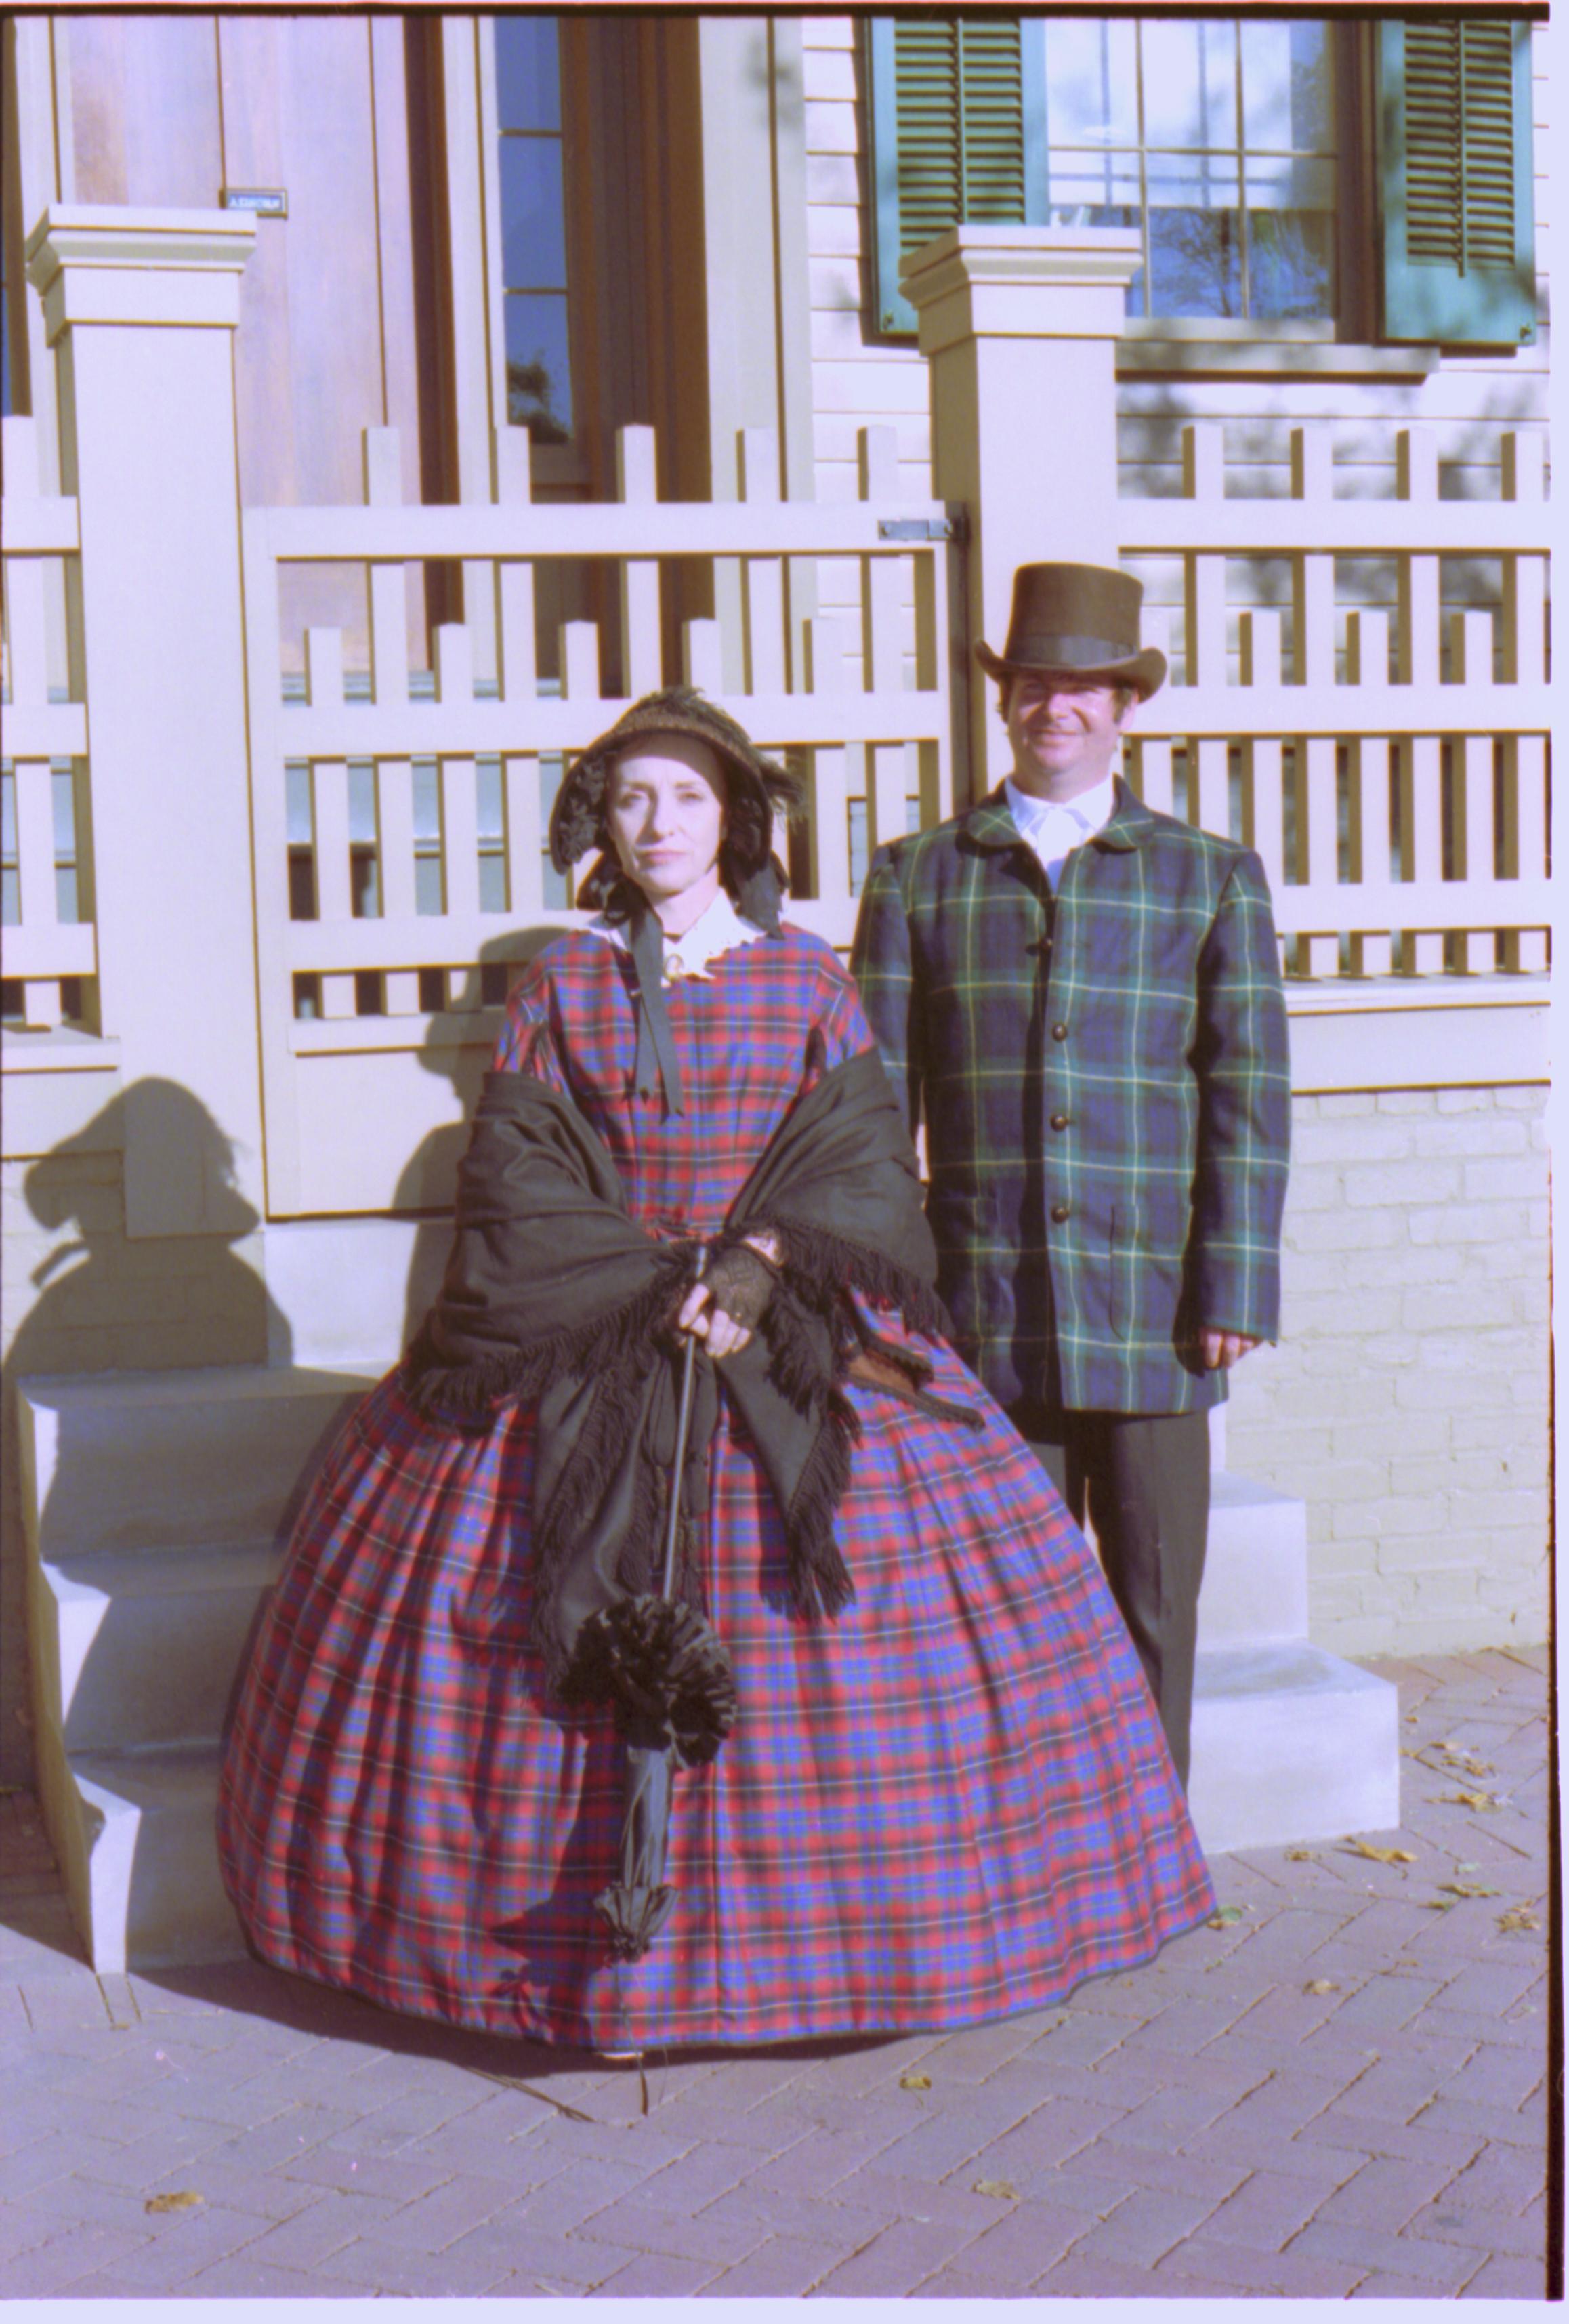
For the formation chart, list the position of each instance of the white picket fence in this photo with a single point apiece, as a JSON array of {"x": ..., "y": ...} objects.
[
  {"x": 1392, "y": 773},
  {"x": 1317, "y": 754}
]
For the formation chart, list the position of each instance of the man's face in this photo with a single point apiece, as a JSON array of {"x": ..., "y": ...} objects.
[{"x": 1065, "y": 732}]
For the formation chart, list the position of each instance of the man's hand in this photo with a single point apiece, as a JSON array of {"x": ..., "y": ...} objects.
[{"x": 1222, "y": 1350}]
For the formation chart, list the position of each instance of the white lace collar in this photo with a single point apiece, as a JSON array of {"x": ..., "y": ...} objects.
[{"x": 717, "y": 930}]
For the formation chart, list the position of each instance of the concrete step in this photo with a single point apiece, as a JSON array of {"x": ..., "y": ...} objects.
[
  {"x": 141, "y": 1866},
  {"x": 1255, "y": 1575},
  {"x": 144, "y": 1646},
  {"x": 1290, "y": 1743},
  {"x": 120, "y": 1461}
]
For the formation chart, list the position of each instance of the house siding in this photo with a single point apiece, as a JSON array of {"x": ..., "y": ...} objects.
[{"x": 859, "y": 382}]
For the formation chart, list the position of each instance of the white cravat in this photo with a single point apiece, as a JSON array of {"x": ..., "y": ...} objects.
[
  {"x": 1053, "y": 828},
  {"x": 717, "y": 930}
]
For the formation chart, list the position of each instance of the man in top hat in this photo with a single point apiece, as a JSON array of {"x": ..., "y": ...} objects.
[{"x": 1082, "y": 999}]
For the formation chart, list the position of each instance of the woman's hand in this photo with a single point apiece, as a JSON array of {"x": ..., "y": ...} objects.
[
  {"x": 720, "y": 1333},
  {"x": 724, "y": 1308}
]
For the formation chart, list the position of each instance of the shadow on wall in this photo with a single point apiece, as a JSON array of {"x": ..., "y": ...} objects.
[
  {"x": 96, "y": 1300},
  {"x": 108, "y": 1302},
  {"x": 428, "y": 1181}
]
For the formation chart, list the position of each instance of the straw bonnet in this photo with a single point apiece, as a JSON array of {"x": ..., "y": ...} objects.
[{"x": 754, "y": 786}]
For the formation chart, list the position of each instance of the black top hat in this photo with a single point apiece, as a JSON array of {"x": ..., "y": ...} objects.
[{"x": 1081, "y": 620}]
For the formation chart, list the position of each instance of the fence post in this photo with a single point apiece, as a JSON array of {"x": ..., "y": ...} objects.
[
  {"x": 1019, "y": 324},
  {"x": 141, "y": 308}
]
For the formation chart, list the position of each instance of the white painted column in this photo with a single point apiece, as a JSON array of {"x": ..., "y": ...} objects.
[
  {"x": 1019, "y": 324},
  {"x": 140, "y": 307}
]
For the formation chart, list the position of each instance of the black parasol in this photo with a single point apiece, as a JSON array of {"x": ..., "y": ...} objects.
[{"x": 664, "y": 1669}]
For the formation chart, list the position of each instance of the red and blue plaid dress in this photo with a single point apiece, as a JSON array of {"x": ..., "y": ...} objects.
[{"x": 951, "y": 1803}]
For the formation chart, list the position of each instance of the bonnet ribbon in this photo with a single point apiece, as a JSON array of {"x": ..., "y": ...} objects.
[{"x": 656, "y": 1047}]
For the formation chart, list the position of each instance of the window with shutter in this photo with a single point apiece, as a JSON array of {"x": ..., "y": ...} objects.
[
  {"x": 957, "y": 135},
  {"x": 1454, "y": 114}
]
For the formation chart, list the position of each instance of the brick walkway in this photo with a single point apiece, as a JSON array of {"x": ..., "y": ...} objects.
[{"x": 1341, "y": 2089}]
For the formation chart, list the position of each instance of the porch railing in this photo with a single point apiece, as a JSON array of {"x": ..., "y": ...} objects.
[
  {"x": 49, "y": 938},
  {"x": 399, "y": 831}
]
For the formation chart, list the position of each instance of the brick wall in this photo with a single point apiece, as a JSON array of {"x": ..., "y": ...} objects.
[
  {"x": 1406, "y": 1403},
  {"x": 76, "y": 1296}
]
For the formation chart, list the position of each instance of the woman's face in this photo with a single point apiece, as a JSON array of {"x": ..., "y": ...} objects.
[{"x": 666, "y": 814}]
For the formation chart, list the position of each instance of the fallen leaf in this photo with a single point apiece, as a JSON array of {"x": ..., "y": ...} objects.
[
  {"x": 1379, "y": 1855},
  {"x": 1002, "y": 2189},
  {"x": 1301, "y": 1856},
  {"x": 1517, "y": 1920},
  {"x": 184, "y": 2199},
  {"x": 1476, "y": 1799},
  {"x": 1439, "y": 1904},
  {"x": 1465, "y": 1888},
  {"x": 1226, "y": 1917},
  {"x": 915, "y": 2081},
  {"x": 1321, "y": 1985}
]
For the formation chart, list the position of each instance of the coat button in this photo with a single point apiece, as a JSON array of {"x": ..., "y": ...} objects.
[
  {"x": 1059, "y": 1120},
  {"x": 1059, "y": 1032},
  {"x": 1059, "y": 1211}
]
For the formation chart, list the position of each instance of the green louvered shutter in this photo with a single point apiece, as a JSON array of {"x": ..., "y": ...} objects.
[
  {"x": 957, "y": 110},
  {"x": 1454, "y": 113}
]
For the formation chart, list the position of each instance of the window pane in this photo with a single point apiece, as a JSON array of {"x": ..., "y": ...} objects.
[
  {"x": 1290, "y": 238},
  {"x": 1190, "y": 82},
  {"x": 1287, "y": 90},
  {"x": 539, "y": 380},
  {"x": 533, "y": 225},
  {"x": 1195, "y": 255},
  {"x": 1092, "y": 81},
  {"x": 528, "y": 73},
  {"x": 1080, "y": 182}
]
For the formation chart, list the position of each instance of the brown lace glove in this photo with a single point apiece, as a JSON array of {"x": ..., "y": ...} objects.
[{"x": 741, "y": 1284}]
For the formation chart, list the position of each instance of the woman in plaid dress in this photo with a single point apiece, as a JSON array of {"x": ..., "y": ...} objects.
[{"x": 946, "y": 1801}]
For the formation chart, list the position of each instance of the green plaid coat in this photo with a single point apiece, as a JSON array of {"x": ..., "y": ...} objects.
[{"x": 1105, "y": 1089}]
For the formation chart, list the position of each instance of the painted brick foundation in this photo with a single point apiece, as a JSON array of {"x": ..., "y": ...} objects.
[{"x": 1406, "y": 1403}]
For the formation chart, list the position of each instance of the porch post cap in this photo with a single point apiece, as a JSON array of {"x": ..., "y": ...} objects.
[
  {"x": 1021, "y": 256},
  {"x": 82, "y": 234},
  {"x": 94, "y": 264}
]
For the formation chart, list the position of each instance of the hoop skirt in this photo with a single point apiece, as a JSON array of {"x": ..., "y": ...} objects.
[{"x": 951, "y": 1802}]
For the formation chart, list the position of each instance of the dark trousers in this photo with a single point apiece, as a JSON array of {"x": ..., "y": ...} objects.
[{"x": 1143, "y": 1479}]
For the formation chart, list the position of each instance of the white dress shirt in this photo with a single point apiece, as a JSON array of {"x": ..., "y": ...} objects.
[{"x": 1053, "y": 828}]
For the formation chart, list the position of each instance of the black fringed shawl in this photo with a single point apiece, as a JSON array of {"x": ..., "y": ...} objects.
[{"x": 553, "y": 1293}]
